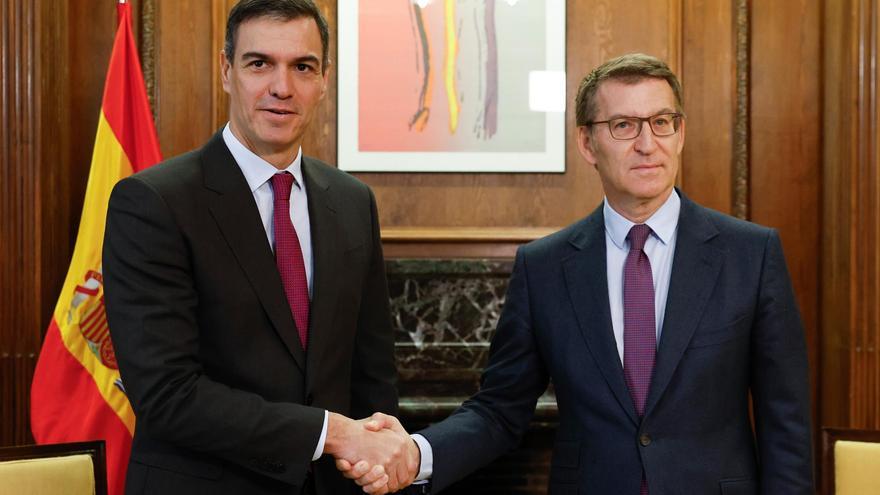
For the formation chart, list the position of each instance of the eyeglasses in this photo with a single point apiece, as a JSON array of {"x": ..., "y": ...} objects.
[{"x": 623, "y": 128}]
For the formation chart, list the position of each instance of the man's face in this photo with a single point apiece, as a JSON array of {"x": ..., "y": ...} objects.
[
  {"x": 274, "y": 83},
  {"x": 641, "y": 171}
]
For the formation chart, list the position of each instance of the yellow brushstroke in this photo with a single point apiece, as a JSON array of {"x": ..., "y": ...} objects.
[{"x": 449, "y": 71}]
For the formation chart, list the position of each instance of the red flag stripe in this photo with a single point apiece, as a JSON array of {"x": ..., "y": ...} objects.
[
  {"x": 91, "y": 316},
  {"x": 125, "y": 101}
]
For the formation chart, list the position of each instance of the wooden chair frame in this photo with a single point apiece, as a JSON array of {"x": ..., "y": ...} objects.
[
  {"x": 94, "y": 449},
  {"x": 830, "y": 436}
]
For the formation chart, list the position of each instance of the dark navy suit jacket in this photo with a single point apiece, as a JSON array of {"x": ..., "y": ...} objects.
[{"x": 731, "y": 328}]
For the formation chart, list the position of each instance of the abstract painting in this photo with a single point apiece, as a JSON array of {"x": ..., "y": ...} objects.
[{"x": 452, "y": 85}]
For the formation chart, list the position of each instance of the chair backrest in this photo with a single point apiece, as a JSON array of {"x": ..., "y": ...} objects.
[
  {"x": 63, "y": 468},
  {"x": 850, "y": 461}
]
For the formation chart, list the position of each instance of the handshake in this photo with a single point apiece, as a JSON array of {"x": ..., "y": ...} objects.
[{"x": 376, "y": 452}]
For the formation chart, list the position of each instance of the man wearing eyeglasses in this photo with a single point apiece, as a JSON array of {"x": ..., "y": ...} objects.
[{"x": 655, "y": 318}]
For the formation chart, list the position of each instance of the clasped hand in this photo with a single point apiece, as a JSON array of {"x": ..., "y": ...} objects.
[{"x": 376, "y": 452}]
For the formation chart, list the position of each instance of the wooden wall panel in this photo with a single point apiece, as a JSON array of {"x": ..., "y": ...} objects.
[
  {"x": 184, "y": 73},
  {"x": 708, "y": 74},
  {"x": 785, "y": 143},
  {"x": 19, "y": 227},
  {"x": 851, "y": 259}
]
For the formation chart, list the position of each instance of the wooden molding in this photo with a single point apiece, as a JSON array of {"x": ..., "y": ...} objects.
[
  {"x": 740, "y": 204},
  {"x": 148, "y": 50},
  {"x": 457, "y": 242},
  {"x": 465, "y": 234}
]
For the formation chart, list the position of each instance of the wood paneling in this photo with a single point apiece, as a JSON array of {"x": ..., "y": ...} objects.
[
  {"x": 708, "y": 75},
  {"x": 785, "y": 147},
  {"x": 184, "y": 74},
  {"x": 851, "y": 260},
  {"x": 34, "y": 140}
]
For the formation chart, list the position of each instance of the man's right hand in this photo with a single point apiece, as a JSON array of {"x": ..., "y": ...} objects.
[{"x": 376, "y": 452}]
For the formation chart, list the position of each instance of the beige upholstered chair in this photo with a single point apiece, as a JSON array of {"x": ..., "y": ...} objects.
[
  {"x": 65, "y": 468},
  {"x": 850, "y": 461}
]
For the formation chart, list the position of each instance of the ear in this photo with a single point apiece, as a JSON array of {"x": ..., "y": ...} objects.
[
  {"x": 681, "y": 135},
  {"x": 326, "y": 77},
  {"x": 225, "y": 67},
  {"x": 586, "y": 144}
]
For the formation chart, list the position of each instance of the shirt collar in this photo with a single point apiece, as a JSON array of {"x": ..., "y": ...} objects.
[
  {"x": 663, "y": 222},
  {"x": 256, "y": 170}
]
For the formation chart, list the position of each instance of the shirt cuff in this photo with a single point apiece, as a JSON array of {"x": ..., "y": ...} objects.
[
  {"x": 320, "y": 448},
  {"x": 426, "y": 467}
]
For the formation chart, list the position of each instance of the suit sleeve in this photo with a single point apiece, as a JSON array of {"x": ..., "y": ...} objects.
[
  {"x": 780, "y": 382},
  {"x": 152, "y": 302},
  {"x": 493, "y": 421},
  {"x": 374, "y": 375}
]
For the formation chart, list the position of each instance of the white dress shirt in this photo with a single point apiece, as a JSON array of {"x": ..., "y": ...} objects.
[
  {"x": 660, "y": 248},
  {"x": 258, "y": 174}
]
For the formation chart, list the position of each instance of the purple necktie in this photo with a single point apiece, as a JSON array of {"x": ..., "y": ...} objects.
[
  {"x": 289, "y": 257},
  {"x": 639, "y": 327}
]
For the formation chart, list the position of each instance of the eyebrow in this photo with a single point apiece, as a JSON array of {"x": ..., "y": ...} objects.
[
  {"x": 251, "y": 55},
  {"x": 299, "y": 60},
  {"x": 659, "y": 112}
]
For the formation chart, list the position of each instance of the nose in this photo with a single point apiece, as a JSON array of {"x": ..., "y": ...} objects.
[
  {"x": 646, "y": 141},
  {"x": 281, "y": 86}
]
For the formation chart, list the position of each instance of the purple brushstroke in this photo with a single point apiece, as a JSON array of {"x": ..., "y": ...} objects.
[
  {"x": 490, "y": 110},
  {"x": 423, "y": 112}
]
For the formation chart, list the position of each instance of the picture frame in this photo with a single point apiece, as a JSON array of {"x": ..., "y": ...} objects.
[{"x": 451, "y": 86}]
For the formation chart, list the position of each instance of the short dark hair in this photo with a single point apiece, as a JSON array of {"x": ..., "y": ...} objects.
[
  {"x": 282, "y": 10},
  {"x": 629, "y": 69}
]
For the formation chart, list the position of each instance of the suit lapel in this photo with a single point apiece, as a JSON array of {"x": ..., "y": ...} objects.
[
  {"x": 586, "y": 278},
  {"x": 327, "y": 236},
  {"x": 695, "y": 268},
  {"x": 236, "y": 214}
]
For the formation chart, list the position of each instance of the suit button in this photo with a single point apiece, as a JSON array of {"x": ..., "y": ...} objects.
[
  {"x": 310, "y": 399},
  {"x": 644, "y": 440}
]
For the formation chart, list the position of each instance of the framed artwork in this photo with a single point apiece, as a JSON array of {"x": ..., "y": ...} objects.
[{"x": 451, "y": 85}]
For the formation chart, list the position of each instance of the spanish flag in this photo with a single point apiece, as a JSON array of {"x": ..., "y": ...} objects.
[{"x": 77, "y": 394}]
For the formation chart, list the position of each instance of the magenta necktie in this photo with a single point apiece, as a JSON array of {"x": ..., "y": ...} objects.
[
  {"x": 639, "y": 327},
  {"x": 289, "y": 257}
]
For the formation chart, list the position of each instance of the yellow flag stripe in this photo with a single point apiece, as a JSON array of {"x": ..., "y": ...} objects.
[{"x": 83, "y": 290}]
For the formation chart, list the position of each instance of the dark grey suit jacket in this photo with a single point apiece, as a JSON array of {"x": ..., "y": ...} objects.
[
  {"x": 226, "y": 399},
  {"x": 731, "y": 328}
]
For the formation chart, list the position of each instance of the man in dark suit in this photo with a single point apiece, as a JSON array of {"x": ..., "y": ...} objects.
[
  {"x": 655, "y": 318},
  {"x": 245, "y": 287}
]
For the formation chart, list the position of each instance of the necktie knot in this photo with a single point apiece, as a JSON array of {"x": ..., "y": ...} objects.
[
  {"x": 637, "y": 236},
  {"x": 281, "y": 185}
]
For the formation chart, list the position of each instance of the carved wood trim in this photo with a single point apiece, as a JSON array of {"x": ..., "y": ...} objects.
[
  {"x": 148, "y": 51},
  {"x": 740, "y": 206},
  {"x": 465, "y": 234},
  {"x": 675, "y": 26}
]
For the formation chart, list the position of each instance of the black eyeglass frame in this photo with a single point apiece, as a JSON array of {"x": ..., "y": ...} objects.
[{"x": 674, "y": 116}]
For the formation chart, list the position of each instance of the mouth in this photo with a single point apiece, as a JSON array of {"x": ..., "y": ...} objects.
[
  {"x": 278, "y": 111},
  {"x": 647, "y": 166}
]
